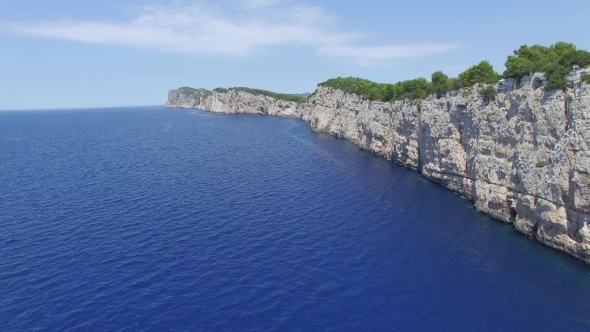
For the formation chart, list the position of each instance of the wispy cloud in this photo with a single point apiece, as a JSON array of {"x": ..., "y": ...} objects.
[
  {"x": 243, "y": 28},
  {"x": 372, "y": 54}
]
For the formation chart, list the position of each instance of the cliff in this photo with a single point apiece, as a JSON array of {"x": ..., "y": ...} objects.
[{"x": 523, "y": 157}]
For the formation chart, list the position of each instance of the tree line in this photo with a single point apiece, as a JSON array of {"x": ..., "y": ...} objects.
[
  {"x": 555, "y": 61},
  {"x": 276, "y": 95}
]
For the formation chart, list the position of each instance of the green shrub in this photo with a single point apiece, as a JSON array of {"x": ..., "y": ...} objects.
[
  {"x": 583, "y": 58},
  {"x": 541, "y": 164},
  {"x": 196, "y": 92},
  {"x": 555, "y": 82},
  {"x": 441, "y": 84},
  {"x": 368, "y": 89},
  {"x": 280, "y": 96},
  {"x": 187, "y": 90},
  {"x": 483, "y": 72},
  {"x": 488, "y": 93},
  {"x": 555, "y": 61},
  {"x": 586, "y": 79},
  {"x": 412, "y": 89},
  {"x": 453, "y": 84},
  {"x": 276, "y": 95}
]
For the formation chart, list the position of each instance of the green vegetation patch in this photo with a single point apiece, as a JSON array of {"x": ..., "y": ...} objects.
[
  {"x": 541, "y": 164},
  {"x": 279, "y": 96},
  {"x": 555, "y": 61},
  {"x": 196, "y": 92},
  {"x": 488, "y": 93},
  {"x": 441, "y": 83},
  {"x": 483, "y": 72},
  {"x": 417, "y": 88},
  {"x": 412, "y": 89}
]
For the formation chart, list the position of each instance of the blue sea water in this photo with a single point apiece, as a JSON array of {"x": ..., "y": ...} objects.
[{"x": 153, "y": 219}]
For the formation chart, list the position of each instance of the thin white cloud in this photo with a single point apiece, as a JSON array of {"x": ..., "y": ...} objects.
[
  {"x": 247, "y": 27},
  {"x": 372, "y": 54},
  {"x": 258, "y": 3}
]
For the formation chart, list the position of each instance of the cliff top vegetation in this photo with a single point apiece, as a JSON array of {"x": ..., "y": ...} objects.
[
  {"x": 280, "y": 96},
  {"x": 555, "y": 61},
  {"x": 196, "y": 92},
  {"x": 417, "y": 88}
]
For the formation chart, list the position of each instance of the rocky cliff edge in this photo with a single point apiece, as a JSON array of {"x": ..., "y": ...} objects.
[{"x": 523, "y": 157}]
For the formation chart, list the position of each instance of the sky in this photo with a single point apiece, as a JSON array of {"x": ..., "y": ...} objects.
[{"x": 88, "y": 53}]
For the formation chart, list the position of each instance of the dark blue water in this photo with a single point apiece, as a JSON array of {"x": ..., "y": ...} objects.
[{"x": 174, "y": 220}]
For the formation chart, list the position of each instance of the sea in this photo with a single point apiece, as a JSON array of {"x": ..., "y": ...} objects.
[{"x": 155, "y": 219}]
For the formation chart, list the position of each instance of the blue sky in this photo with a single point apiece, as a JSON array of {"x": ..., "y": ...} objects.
[{"x": 73, "y": 53}]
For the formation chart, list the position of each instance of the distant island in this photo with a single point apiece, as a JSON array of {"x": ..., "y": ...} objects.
[{"x": 517, "y": 144}]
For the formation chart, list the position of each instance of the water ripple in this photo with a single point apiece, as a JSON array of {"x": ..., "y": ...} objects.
[{"x": 156, "y": 219}]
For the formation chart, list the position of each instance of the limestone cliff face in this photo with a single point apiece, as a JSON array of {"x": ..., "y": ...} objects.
[
  {"x": 523, "y": 158},
  {"x": 235, "y": 101},
  {"x": 186, "y": 98}
]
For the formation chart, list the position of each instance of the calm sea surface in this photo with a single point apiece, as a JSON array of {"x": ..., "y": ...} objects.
[{"x": 154, "y": 219}]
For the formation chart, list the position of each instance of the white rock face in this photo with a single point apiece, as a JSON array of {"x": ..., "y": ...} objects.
[
  {"x": 235, "y": 101},
  {"x": 523, "y": 158}
]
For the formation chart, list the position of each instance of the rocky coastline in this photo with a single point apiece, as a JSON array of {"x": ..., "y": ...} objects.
[{"x": 522, "y": 157}]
